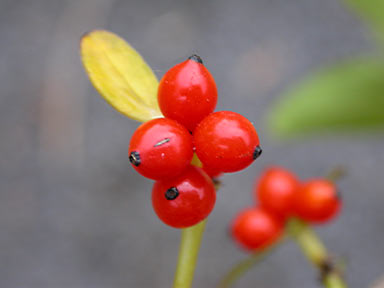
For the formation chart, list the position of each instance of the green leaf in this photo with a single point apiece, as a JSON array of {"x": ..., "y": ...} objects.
[
  {"x": 120, "y": 74},
  {"x": 348, "y": 97},
  {"x": 372, "y": 11}
]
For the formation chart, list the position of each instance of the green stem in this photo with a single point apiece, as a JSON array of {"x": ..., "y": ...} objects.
[
  {"x": 336, "y": 173},
  {"x": 188, "y": 252},
  {"x": 316, "y": 253},
  {"x": 189, "y": 247},
  {"x": 333, "y": 280},
  {"x": 243, "y": 266}
]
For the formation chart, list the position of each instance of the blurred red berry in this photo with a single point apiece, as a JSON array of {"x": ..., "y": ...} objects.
[
  {"x": 275, "y": 190},
  {"x": 161, "y": 148},
  {"x": 226, "y": 141},
  {"x": 317, "y": 201},
  {"x": 256, "y": 228},
  {"x": 187, "y": 93},
  {"x": 186, "y": 200}
]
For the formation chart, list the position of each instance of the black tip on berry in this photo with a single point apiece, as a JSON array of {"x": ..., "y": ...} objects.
[
  {"x": 171, "y": 193},
  {"x": 134, "y": 158},
  {"x": 257, "y": 152},
  {"x": 196, "y": 58}
]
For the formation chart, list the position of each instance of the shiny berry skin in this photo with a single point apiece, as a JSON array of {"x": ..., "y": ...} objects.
[
  {"x": 226, "y": 141},
  {"x": 187, "y": 93},
  {"x": 185, "y": 200},
  {"x": 212, "y": 172},
  {"x": 256, "y": 228},
  {"x": 317, "y": 201},
  {"x": 275, "y": 190},
  {"x": 160, "y": 148}
]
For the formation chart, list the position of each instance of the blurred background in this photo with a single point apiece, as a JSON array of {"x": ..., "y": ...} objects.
[{"x": 73, "y": 213}]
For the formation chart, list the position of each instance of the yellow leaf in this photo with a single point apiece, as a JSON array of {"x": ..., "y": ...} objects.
[{"x": 120, "y": 75}]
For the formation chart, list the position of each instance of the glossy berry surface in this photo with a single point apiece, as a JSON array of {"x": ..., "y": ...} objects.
[
  {"x": 317, "y": 201},
  {"x": 275, "y": 190},
  {"x": 226, "y": 141},
  {"x": 185, "y": 200},
  {"x": 187, "y": 93},
  {"x": 256, "y": 228},
  {"x": 160, "y": 148},
  {"x": 212, "y": 172}
]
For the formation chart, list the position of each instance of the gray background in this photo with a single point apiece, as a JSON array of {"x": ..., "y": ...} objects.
[{"x": 72, "y": 211}]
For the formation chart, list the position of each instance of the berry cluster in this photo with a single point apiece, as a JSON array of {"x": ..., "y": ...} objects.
[
  {"x": 162, "y": 149},
  {"x": 281, "y": 195}
]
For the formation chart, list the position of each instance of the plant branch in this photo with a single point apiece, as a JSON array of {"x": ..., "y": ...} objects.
[
  {"x": 317, "y": 254},
  {"x": 189, "y": 248},
  {"x": 188, "y": 253},
  {"x": 244, "y": 265}
]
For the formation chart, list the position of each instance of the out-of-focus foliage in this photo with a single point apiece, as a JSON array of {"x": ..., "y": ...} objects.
[
  {"x": 348, "y": 96},
  {"x": 372, "y": 11},
  {"x": 120, "y": 75}
]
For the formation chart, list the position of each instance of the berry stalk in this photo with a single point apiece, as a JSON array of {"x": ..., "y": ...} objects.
[
  {"x": 243, "y": 266},
  {"x": 316, "y": 253},
  {"x": 188, "y": 253},
  {"x": 189, "y": 248}
]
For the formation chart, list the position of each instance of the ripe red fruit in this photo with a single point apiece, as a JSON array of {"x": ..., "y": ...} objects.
[
  {"x": 186, "y": 200},
  {"x": 213, "y": 173},
  {"x": 256, "y": 228},
  {"x": 275, "y": 190},
  {"x": 161, "y": 148},
  {"x": 317, "y": 201},
  {"x": 226, "y": 141},
  {"x": 187, "y": 93}
]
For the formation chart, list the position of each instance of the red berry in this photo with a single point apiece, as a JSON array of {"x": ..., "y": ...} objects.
[
  {"x": 186, "y": 200},
  {"x": 256, "y": 228},
  {"x": 212, "y": 172},
  {"x": 187, "y": 93},
  {"x": 275, "y": 190},
  {"x": 161, "y": 148},
  {"x": 226, "y": 141},
  {"x": 317, "y": 201}
]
